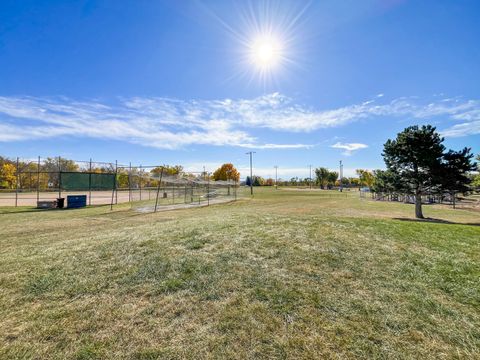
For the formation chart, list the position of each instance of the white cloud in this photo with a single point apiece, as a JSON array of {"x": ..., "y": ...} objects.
[
  {"x": 464, "y": 129},
  {"x": 349, "y": 147},
  {"x": 172, "y": 123}
]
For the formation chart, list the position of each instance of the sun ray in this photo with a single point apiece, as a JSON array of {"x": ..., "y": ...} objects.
[{"x": 266, "y": 36}]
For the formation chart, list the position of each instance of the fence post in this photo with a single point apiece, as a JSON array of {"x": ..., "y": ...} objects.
[
  {"x": 38, "y": 180},
  {"x": 90, "y": 183},
  {"x": 114, "y": 189},
  {"x": 16, "y": 184},
  {"x": 140, "y": 175},
  {"x": 116, "y": 185},
  {"x": 130, "y": 182},
  {"x": 59, "y": 178},
  {"x": 208, "y": 189},
  {"x": 158, "y": 189}
]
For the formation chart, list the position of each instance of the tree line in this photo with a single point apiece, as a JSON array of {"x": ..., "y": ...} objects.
[
  {"x": 417, "y": 164},
  {"x": 323, "y": 178}
]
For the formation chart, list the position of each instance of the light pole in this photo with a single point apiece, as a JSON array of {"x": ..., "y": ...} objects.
[
  {"x": 251, "y": 174},
  {"x": 310, "y": 178},
  {"x": 276, "y": 182}
]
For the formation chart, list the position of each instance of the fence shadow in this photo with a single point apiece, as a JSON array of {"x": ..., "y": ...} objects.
[
  {"x": 436, "y": 221},
  {"x": 23, "y": 209}
]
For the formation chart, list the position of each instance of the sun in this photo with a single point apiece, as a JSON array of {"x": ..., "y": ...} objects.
[
  {"x": 266, "y": 39},
  {"x": 265, "y": 52}
]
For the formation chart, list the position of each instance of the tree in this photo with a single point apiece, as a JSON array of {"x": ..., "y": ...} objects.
[
  {"x": 321, "y": 175},
  {"x": 345, "y": 181},
  {"x": 167, "y": 170},
  {"x": 53, "y": 165},
  {"x": 56, "y": 164},
  {"x": 383, "y": 181},
  {"x": 332, "y": 178},
  {"x": 122, "y": 178},
  {"x": 455, "y": 170},
  {"x": 476, "y": 179},
  {"x": 366, "y": 177},
  {"x": 8, "y": 176},
  {"x": 354, "y": 181},
  {"x": 258, "y": 181},
  {"x": 418, "y": 163},
  {"x": 226, "y": 172},
  {"x": 27, "y": 177}
]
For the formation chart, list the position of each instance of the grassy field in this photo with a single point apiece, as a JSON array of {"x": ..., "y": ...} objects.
[{"x": 285, "y": 275}]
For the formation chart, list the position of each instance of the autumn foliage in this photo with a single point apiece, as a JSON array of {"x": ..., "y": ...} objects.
[{"x": 226, "y": 172}]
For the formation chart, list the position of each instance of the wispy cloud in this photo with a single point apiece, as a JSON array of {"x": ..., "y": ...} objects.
[
  {"x": 172, "y": 123},
  {"x": 349, "y": 147},
  {"x": 463, "y": 129}
]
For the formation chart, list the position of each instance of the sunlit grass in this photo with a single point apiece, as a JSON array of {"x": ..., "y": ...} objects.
[{"x": 287, "y": 274}]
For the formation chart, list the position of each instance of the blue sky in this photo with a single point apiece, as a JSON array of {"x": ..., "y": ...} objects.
[{"x": 174, "y": 81}]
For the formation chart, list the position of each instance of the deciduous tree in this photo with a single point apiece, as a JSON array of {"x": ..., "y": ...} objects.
[
  {"x": 366, "y": 177},
  {"x": 332, "y": 178},
  {"x": 8, "y": 175},
  {"x": 167, "y": 170},
  {"x": 321, "y": 174},
  {"x": 226, "y": 172}
]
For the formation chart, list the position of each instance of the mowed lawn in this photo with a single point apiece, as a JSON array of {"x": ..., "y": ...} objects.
[{"x": 285, "y": 275}]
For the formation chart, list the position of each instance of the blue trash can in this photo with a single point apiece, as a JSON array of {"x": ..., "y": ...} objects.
[{"x": 76, "y": 201}]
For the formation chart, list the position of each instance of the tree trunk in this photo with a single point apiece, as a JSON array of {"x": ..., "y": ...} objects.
[{"x": 418, "y": 206}]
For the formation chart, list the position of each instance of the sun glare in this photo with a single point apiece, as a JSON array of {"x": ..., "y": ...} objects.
[
  {"x": 266, "y": 52},
  {"x": 268, "y": 39}
]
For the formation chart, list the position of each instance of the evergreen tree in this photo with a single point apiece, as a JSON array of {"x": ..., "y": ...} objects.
[{"x": 418, "y": 164}]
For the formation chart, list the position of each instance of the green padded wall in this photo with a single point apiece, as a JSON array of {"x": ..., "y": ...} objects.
[{"x": 86, "y": 181}]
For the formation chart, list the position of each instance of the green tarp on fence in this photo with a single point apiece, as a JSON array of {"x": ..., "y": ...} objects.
[{"x": 86, "y": 181}]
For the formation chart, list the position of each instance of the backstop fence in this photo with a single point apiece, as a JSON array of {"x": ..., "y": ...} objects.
[{"x": 147, "y": 188}]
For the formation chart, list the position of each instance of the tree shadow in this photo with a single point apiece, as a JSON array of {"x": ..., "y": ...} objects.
[{"x": 436, "y": 221}]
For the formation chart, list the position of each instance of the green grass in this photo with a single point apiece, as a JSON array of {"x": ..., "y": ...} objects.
[{"x": 285, "y": 275}]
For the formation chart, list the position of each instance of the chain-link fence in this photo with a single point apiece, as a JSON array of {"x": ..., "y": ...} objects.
[
  {"x": 152, "y": 188},
  {"x": 27, "y": 182}
]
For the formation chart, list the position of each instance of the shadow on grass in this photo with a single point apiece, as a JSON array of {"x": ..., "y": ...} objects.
[
  {"x": 19, "y": 210},
  {"x": 436, "y": 221}
]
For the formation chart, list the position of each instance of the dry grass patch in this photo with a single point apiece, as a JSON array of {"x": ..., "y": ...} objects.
[{"x": 285, "y": 275}]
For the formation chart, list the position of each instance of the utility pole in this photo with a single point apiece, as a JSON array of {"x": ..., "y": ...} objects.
[
  {"x": 276, "y": 182},
  {"x": 341, "y": 176},
  {"x": 310, "y": 178},
  {"x": 251, "y": 174}
]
